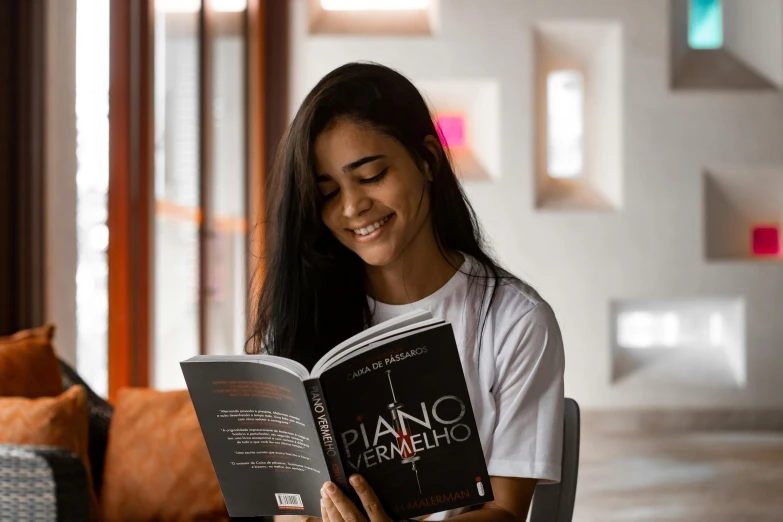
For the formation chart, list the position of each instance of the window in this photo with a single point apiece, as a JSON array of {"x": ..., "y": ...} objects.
[
  {"x": 459, "y": 107},
  {"x": 698, "y": 341},
  {"x": 92, "y": 187},
  {"x": 565, "y": 124},
  {"x": 226, "y": 312},
  {"x": 373, "y": 17},
  {"x": 683, "y": 328},
  {"x": 178, "y": 213},
  {"x": 374, "y": 5},
  {"x": 193, "y": 6},
  {"x": 578, "y": 115},
  {"x": 705, "y": 24},
  {"x": 181, "y": 328}
]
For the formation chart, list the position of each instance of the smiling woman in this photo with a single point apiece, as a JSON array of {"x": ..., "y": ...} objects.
[
  {"x": 362, "y": 152},
  {"x": 374, "y": 205},
  {"x": 367, "y": 222}
]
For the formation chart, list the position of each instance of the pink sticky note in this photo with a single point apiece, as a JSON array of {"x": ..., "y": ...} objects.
[
  {"x": 451, "y": 130},
  {"x": 766, "y": 240}
]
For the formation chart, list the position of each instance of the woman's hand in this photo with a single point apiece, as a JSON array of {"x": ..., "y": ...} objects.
[{"x": 336, "y": 507}]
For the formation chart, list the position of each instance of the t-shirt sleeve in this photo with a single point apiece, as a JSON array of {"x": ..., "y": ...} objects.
[{"x": 528, "y": 389}]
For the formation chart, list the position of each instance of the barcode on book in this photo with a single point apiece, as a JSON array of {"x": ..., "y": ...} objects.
[{"x": 289, "y": 500}]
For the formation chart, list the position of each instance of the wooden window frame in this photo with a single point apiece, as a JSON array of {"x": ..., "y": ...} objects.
[
  {"x": 130, "y": 208},
  {"x": 131, "y": 180}
]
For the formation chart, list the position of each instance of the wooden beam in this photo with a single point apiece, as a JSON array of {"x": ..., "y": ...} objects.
[
  {"x": 144, "y": 199},
  {"x": 119, "y": 218},
  {"x": 276, "y": 49},
  {"x": 255, "y": 149},
  {"x": 267, "y": 95},
  {"x": 130, "y": 197}
]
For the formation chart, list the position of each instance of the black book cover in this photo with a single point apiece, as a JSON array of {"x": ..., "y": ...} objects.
[{"x": 402, "y": 415}]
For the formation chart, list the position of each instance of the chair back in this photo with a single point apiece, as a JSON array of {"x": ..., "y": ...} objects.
[{"x": 555, "y": 502}]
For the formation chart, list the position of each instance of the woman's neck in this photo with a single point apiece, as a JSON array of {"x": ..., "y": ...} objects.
[{"x": 420, "y": 271}]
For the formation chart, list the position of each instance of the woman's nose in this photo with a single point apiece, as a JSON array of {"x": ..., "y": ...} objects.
[{"x": 355, "y": 202}]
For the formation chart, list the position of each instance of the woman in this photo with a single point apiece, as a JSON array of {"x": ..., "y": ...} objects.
[{"x": 368, "y": 221}]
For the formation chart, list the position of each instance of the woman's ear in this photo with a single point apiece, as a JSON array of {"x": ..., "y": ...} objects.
[{"x": 436, "y": 153}]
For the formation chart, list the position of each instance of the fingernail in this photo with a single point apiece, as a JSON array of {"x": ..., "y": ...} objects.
[
  {"x": 329, "y": 487},
  {"x": 355, "y": 480}
]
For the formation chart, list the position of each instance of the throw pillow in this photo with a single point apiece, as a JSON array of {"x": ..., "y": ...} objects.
[
  {"x": 49, "y": 421},
  {"x": 28, "y": 365},
  {"x": 157, "y": 463}
]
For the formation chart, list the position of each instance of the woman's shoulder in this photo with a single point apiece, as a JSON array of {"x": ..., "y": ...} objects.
[
  {"x": 524, "y": 323},
  {"x": 516, "y": 302}
]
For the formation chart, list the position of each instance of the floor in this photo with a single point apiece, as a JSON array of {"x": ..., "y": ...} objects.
[{"x": 715, "y": 477}]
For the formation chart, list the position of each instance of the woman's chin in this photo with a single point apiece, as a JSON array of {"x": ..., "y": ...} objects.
[{"x": 376, "y": 255}]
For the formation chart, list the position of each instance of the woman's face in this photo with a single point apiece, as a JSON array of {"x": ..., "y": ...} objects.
[{"x": 376, "y": 197}]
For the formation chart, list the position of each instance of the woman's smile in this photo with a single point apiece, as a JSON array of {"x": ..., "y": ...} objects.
[{"x": 371, "y": 231}]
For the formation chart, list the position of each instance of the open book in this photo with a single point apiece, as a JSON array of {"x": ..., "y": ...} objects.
[{"x": 390, "y": 403}]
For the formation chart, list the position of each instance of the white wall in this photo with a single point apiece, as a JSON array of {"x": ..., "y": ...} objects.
[
  {"x": 754, "y": 34},
  {"x": 581, "y": 262}
]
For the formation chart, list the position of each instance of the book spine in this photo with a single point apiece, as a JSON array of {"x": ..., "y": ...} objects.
[{"x": 326, "y": 434}]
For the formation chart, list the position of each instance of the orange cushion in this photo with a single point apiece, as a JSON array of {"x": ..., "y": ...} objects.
[
  {"x": 49, "y": 421},
  {"x": 157, "y": 464},
  {"x": 28, "y": 365},
  {"x": 43, "y": 332}
]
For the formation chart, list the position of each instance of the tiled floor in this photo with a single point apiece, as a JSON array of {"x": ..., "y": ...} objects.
[{"x": 712, "y": 477}]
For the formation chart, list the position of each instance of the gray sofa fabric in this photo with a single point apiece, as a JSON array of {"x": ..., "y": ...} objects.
[{"x": 42, "y": 483}]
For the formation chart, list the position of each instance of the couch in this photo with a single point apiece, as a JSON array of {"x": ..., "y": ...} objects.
[{"x": 46, "y": 483}]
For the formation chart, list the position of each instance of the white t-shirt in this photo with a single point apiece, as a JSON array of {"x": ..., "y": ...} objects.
[{"x": 515, "y": 380}]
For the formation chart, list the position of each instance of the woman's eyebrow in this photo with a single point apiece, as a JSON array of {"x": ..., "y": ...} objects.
[
  {"x": 358, "y": 163},
  {"x": 321, "y": 178}
]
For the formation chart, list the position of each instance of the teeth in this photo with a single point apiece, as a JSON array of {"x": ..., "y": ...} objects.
[{"x": 372, "y": 228}]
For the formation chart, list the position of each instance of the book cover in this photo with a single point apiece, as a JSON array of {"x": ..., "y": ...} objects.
[
  {"x": 402, "y": 416},
  {"x": 260, "y": 435}
]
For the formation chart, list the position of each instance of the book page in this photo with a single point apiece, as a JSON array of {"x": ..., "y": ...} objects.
[
  {"x": 375, "y": 342},
  {"x": 368, "y": 335},
  {"x": 284, "y": 363},
  {"x": 260, "y": 435}
]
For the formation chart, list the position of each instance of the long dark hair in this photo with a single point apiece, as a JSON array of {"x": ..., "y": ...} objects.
[{"x": 313, "y": 294}]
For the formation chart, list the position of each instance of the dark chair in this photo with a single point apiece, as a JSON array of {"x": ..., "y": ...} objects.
[
  {"x": 100, "y": 413},
  {"x": 555, "y": 502}
]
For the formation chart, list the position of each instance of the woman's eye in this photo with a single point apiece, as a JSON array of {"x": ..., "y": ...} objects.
[
  {"x": 376, "y": 178},
  {"x": 331, "y": 194}
]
